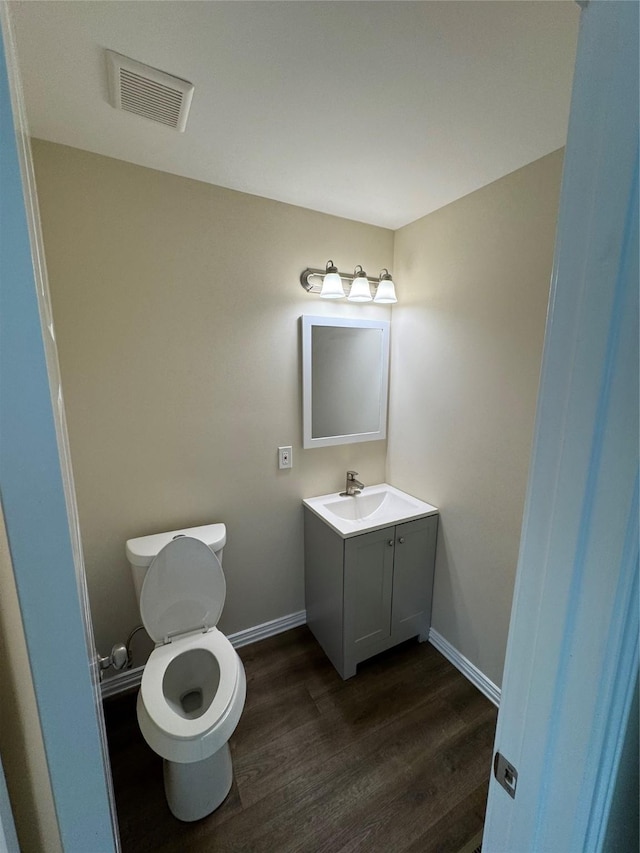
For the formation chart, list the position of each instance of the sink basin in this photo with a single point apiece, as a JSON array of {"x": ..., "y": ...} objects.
[
  {"x": 357, "y": 507},
  {"x": 376, "y": 507}
]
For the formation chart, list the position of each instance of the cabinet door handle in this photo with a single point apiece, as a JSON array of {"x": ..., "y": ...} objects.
[
  {"x": 401, "y": 540},
  {"x": 390, "y": 542}
]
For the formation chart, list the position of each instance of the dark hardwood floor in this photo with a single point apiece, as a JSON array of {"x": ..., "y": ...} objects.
[{"x": 395, "y": 760}]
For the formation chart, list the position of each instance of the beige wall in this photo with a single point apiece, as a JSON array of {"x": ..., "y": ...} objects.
[
  {"x": 21, "y": 744},
  {"x": 176, "y": 307},
  {"x": 466, "y": 351}
]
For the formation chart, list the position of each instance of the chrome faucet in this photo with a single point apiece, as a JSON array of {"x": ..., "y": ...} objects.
[{"x": 353, "y": 487}]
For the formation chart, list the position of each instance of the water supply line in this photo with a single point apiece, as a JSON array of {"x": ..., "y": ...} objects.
[{"x": 128, "y": 643}]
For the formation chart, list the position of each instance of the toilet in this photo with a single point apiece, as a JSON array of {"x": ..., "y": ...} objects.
[{"x": 193, "y": 685}]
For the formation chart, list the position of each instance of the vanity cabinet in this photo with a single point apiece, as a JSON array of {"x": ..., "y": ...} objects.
[{"x": 368, "y": 592}]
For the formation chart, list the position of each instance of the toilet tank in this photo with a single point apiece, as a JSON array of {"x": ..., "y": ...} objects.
[{"x": 141, "y": 551}]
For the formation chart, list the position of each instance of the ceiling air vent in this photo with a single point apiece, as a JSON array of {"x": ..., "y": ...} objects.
[{"x": 147, "y": 92}]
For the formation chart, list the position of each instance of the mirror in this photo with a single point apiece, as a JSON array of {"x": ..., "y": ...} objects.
[{"x": 345, "y": 379}]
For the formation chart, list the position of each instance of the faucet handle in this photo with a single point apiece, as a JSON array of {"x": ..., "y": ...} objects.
[{"x": 351, "y": 475}]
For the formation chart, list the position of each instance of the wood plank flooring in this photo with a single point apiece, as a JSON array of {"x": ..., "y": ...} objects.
[{"x": 395, "y": 760}]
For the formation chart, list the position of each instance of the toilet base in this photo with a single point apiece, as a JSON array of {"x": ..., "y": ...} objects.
[{"x": 196, "y": 789}]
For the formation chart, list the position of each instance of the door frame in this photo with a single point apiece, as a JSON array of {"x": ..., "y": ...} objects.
[
  {"x": 38, "y": 499},
  {"x": 572, "y": 654}
]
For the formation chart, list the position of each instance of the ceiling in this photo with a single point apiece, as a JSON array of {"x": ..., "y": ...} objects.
[{"x": 376, "y": 111}]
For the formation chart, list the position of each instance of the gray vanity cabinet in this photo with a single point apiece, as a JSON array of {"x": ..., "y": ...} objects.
[{"x": 368, "y": 592}]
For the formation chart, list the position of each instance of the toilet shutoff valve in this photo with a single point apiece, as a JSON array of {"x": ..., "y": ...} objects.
[{"x": 118, "y": 659}]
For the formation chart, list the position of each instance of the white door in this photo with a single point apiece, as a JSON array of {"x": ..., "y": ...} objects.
[{"x": 572, "y": 655}]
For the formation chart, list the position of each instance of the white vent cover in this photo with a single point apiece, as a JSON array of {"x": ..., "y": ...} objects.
[{"x": 147, "y": 92}]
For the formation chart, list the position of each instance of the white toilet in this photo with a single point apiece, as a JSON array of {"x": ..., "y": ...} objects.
[{"x": 193, "y": 685}]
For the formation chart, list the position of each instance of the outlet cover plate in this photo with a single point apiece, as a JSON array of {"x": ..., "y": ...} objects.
[{"x": 285, "y": 457}]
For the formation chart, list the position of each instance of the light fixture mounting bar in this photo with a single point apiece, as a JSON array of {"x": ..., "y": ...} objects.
[{"x": 318, "y": 275}]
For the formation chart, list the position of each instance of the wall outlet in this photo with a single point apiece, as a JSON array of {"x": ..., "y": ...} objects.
[{"x": 285, "y": 457}]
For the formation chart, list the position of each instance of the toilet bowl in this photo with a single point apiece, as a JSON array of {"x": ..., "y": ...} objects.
[{"x": 193, "y": 685}]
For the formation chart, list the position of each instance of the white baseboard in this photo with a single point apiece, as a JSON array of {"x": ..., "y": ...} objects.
[
  {"x": 130, "y": 679},
  {"x": 268, "y": 629},
  {"x": 475, "y": 676}
]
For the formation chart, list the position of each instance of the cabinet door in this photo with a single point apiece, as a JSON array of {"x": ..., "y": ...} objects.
[
  {"x": 368, "y": 582},
  {"x": 415, "y": 553}
]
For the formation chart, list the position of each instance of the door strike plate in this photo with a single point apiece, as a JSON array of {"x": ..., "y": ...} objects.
[{"x": 506, "y": 774}]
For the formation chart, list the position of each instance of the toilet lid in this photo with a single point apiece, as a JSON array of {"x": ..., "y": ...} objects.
[{"x": 184, "y": 589}]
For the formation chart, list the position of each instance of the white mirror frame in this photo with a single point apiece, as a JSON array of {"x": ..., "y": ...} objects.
[{"x": 308, "y": 323}]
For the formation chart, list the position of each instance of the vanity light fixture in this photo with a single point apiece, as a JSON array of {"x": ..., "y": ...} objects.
[
  {"x": 360, "y": 289},
  {"x": 332, "y": 287},
  {"x": 329, "y": 283},
  {"x": 386, "y": 292}
]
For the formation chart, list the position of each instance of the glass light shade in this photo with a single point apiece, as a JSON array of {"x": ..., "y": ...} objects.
[
  {"x": 332, "y": 287},
  {"x": 386, "y": 292},
  {"x": 360, "y": 290}
]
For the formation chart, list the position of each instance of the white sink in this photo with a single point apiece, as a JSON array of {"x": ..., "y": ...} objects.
[
  {"x": 376, "y": 507},
  {"x": 355, "y": 508}
]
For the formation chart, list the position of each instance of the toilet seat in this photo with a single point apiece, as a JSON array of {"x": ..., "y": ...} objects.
[
  {"x": 160, "y": 711},
  {"x": 183, "y": 591}
]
